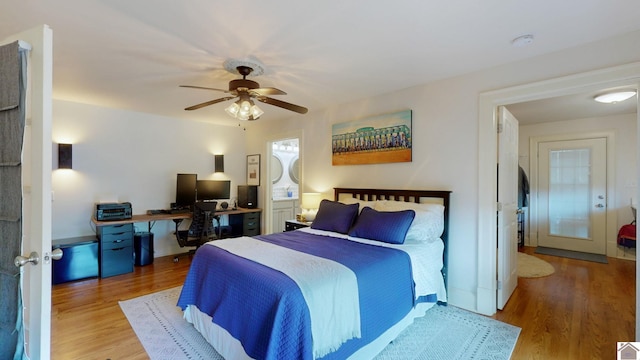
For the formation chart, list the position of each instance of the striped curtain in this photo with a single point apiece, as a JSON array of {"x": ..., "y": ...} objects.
[{"x": 12, "y": 120}]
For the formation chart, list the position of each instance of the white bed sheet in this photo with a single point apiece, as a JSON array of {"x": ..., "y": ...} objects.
[
  {"x": 231, "y": 349},
  {"x": 426, "y": 261}
]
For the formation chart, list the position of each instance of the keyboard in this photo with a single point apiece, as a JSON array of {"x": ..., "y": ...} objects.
[{"x": 179, "y": 211}]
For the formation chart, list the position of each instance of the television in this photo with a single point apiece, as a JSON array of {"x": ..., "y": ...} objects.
[
  {"x": 185, "y": 190},
  {"x": 209, "y": 190}
]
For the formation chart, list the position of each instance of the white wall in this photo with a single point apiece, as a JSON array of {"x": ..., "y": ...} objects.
[
  {"x": 445, "y": 143},
  {"x": 624, "y": 166},
  {"x": 126, "y": 156}
]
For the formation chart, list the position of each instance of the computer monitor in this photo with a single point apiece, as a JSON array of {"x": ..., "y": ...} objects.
[
  {"x": 209, "y": 190},
  {"x": 186, "y": 190}
]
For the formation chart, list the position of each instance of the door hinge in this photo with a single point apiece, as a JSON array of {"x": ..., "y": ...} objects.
[
  {"x": 499, "y": 285},
  {"x": 499, "y": 206},
  {"x": 500, "y": 128}
]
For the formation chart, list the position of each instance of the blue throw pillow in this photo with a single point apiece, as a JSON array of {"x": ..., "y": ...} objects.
[
  {"x": 387, "y": 226},
  {"x": 335, "y": 216}
]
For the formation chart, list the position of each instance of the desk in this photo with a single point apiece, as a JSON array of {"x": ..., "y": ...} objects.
[
  {"x": 151, "y": 219},
  {"x": 115, "y": 237}
]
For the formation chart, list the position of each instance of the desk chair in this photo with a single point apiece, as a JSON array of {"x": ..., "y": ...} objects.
[{"x": 201, "y": 229}]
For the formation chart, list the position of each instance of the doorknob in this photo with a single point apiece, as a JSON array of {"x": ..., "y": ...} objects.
[
  {"x": 56, "y": 254},
  {"x": 599, "y": 205},
  {"x": 33, "y": 258}
]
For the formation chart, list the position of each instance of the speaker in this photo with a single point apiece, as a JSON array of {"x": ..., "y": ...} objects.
[
  {"x": 143, "y": 248},
  {"x": 247, "y": 196}
]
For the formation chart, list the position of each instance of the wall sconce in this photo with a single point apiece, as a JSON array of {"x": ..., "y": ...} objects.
[
  {"x": 309, "y": 205},
  {"x": 219, "y": 163},
  {"x": 65, "y": 156}
]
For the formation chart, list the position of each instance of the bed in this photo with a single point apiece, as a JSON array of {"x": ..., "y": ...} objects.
[{"x": 324, "y": 292}]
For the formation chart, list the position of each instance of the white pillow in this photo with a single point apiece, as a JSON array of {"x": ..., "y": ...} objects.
[
  {"x": 363, "y": 203},
  {"x": 428, "y": 224}
]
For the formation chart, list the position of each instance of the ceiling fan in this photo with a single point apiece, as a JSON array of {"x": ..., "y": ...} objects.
[{"x": 246, "y": 91}]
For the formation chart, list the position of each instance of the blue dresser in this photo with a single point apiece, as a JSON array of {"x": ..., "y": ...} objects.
[{"x": 115, "y": 249}]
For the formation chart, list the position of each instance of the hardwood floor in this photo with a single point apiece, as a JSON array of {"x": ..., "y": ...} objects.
[
  {"x": 87, "y": 322},
  {"x": 579, "y": 312}
]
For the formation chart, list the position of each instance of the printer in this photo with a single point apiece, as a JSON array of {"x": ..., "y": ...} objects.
[{"x": 113, "y": 211}]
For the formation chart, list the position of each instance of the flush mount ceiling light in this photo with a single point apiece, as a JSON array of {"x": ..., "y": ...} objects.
[{"x": 614, "y": 97}]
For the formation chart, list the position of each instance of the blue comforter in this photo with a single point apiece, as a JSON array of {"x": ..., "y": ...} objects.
[{"x": 265, "y": 310}]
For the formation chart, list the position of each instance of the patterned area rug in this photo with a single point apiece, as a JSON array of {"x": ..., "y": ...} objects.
[{"x": 446, "y": 332}]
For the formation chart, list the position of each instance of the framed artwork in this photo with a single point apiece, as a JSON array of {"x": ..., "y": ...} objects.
[
  {"x": 253, "y": 169},
  {"x": 373, "y": 140}
]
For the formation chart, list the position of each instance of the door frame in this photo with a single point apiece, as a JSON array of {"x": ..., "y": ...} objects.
[
  {"x": 268, "y": 199},
  {"x": 624, "y": 75},
  {"x": 610, "y": 213}
]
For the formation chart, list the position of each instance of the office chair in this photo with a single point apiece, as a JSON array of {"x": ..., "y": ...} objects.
[{"x": 201, "y": 229}]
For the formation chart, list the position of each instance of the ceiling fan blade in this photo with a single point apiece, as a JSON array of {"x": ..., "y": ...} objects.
[
  {"x": 267, "y": 91},
  {"x": 282, "y": 104},
  {"x": 203, "y": 88},
  {"x": 195, "y": 107}
]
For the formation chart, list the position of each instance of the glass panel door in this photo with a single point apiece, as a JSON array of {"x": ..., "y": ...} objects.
[{"x": 569, "y": 193}]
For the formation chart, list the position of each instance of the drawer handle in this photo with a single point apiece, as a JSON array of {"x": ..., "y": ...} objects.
[
  {"x": 118, "y": 249},
  {"x": 120, "y": 233},
  {"x": 117, "y": 241}
]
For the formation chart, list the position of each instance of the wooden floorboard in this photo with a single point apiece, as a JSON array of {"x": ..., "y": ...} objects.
[
  {"x": 579, "y": 312},
  {"x": 87, "y": 322}
]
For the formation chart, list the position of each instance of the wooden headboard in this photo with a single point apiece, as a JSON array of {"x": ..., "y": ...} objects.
[{"x": 416, "y": 196}]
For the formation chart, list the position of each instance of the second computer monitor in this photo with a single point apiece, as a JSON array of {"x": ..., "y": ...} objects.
[
  {"x": 186, "y": 190},
  {"x": 208, "y": 190}
]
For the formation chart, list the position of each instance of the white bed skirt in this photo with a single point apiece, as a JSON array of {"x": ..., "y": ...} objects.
[{"x": 231, "y": 349}]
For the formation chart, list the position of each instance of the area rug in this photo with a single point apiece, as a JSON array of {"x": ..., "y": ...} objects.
[
  {"x": 446, "y": 332},
  {"x": 572, "y": 254},
  {"x": 533, "y": 267}
]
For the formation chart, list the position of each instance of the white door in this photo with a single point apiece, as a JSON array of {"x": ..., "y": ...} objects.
[
  {"x": 508, "y": 206},
  {"x": 36, "y": 178},
  {"x": 572, "y": 178}
]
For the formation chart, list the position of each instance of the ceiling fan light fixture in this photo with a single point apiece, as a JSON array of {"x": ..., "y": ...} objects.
[
  {"x": 233, "y": 109},
  {"x": 614, "y": 97},
  {"x": 245, "y": 90},
  {"x": 245, "y": 109},
  {"x": 256, "y": 112}
]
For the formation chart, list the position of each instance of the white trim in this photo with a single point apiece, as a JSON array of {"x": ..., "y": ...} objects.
[
  {"x": 267, "y": 196},
  {"x": 487, "y": 148}
]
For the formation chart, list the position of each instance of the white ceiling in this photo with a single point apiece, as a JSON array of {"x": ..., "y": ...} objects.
[
  {"x": 133, "y": 54},
  {"x": 569, "y": 107}
]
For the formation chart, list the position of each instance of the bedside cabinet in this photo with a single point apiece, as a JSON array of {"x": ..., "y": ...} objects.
[
  {"x": 115, "y": 249},
  {"x": 290, "y": 225}
]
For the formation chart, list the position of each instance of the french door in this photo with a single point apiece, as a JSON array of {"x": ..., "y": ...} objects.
[{"x": 572, "y": 194}]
